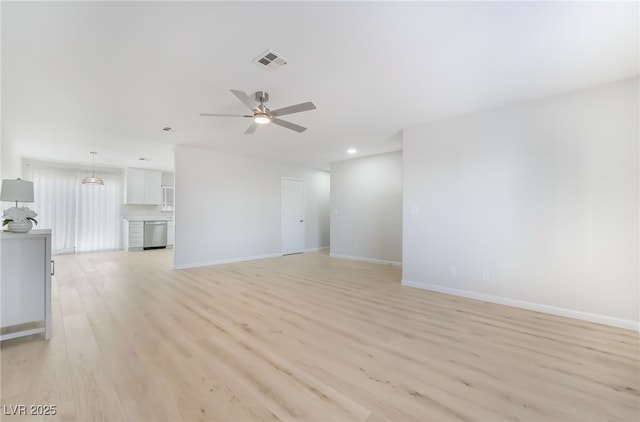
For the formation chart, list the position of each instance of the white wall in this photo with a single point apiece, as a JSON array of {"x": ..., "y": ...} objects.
[
  {"x": 167, "y": 179},
  {"x": 366, "y": 208},
  {"x": 542, "y": 196},
  {"x": 9, "y": 158},
  {"x": 227, "y": 207}
]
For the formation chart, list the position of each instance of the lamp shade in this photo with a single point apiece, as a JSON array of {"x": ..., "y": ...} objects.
[{"x": 17, "y": 190}]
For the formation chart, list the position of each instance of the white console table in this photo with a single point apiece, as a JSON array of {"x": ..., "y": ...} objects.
[{"x": 25, "y": 281}]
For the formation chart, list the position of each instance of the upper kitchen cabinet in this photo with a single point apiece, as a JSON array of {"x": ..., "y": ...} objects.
[
  {"x": 144, "y": 186},
  {"x": 153, "y": 187}
]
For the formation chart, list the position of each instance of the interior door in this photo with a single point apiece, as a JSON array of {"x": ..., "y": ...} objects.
[{"x": 292, "y": 216}]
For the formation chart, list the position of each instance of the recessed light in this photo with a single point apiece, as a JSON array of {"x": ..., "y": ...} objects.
[{"x": 351, "y": 151}]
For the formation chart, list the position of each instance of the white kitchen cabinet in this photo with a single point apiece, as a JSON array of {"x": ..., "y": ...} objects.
[
  {"x": 133, "y": 235},
  {"x": 143, "y": 186},
  {"x": 25, "y": 290},
  {"x": 153, "y": 187},
  {"x": 167, "y": 198},
  {"x": 135, "y": 186},
  {"x": 171, "y": 233}
]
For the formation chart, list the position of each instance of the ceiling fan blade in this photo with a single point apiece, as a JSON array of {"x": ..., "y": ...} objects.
[
  {"x": 288, "y": 125},
  {"x": 251, "y": 128},
  {"x": 244, "y": 98},
  {"x": 293, "y": 109},
  {"x": 225, "y": 115}
]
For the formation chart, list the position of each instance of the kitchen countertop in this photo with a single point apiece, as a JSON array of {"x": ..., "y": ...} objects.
[{"x": 149, "y": 218}]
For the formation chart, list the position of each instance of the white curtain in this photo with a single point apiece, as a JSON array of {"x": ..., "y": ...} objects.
[
  {"x": 82, "y": 217},
  {"x": 99, "y": 222},
  {"x": 54, "y": 193}
]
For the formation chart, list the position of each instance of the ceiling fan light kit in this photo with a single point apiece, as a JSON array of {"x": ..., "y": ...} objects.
[
  {"x": 262, "y": 118},
  {"x": 262, "y": 115}
]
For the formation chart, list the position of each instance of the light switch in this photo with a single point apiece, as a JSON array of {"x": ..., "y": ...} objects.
[{"x": 415, "y": 210}]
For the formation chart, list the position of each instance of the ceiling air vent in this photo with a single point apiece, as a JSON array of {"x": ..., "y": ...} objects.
[{"x": 270, "y": 60}]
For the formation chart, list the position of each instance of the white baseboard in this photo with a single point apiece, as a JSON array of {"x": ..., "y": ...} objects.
[
  {"x": 321, "y": 248},
  {"x": 570, "y": 313},
  {"x": 225, "y": 261},
  {"x": 362, "y": 259}
]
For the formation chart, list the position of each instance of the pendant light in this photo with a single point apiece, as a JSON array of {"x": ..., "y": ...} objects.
[{"x": 93, "y": 179}]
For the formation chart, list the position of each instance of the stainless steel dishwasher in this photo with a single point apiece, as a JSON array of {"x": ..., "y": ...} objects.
[{"x": 155, "y": 235}]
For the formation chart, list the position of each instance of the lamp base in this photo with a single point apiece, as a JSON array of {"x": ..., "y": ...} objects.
[{"x": 20, "y": 226}]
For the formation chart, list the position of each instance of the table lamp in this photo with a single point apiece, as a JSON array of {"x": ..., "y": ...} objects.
[{"x": 18, "y": 219}]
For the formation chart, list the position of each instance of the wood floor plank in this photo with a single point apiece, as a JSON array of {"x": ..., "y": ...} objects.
[
  {"x": 81, "y": 342},
  {"x": 305, "y": 337},
  {"x": 95, "y": 395}
]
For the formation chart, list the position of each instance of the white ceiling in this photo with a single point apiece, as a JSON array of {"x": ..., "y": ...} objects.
[{"x": 107, "y": 77}]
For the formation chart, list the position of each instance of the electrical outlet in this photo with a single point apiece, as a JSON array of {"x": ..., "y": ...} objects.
[
  {"x": 486, "y": 276},
  {"x": 453, "y": 271}
]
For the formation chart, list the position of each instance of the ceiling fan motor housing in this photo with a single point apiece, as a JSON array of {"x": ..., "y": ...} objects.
[{"x": 262, "y": 97}]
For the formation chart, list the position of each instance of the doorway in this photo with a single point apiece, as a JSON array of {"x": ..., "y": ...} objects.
[{"x": 292, "y": 212}]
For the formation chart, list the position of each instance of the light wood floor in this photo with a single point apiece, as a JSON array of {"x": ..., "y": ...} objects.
[{"x": 305, "y": 337}]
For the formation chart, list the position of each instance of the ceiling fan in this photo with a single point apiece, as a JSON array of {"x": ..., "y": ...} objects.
[{"x": 262, "y": 115}]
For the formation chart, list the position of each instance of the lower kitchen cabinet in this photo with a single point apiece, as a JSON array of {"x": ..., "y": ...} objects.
[
  {"x": 171, "y": 233},
  {"x": 133, "y": 235}
]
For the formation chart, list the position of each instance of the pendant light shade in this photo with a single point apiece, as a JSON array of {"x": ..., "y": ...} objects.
[{"x": 93, "y": 179}]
